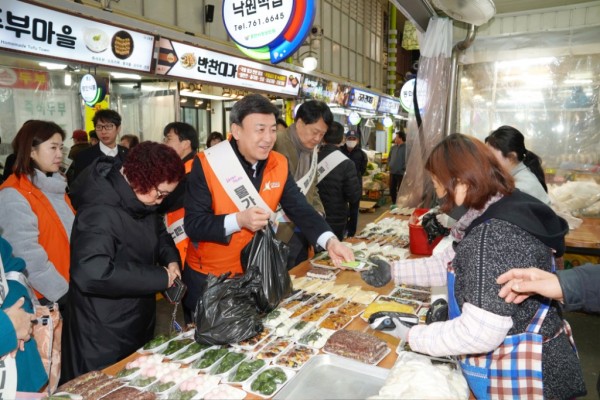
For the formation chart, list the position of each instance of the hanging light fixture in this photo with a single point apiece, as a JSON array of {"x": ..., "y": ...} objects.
[
  {"x": 354, "y": 118},
  {"x": 310, "y": 63},
  {"x": 226, "y": 93},
  {"x": 387, "y": 122}
]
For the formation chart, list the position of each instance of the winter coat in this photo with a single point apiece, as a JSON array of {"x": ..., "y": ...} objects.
[
  {"x": 285, "y": 146},
  {"x": 31, "y": 375},
  {"x": 519, "y": 231},
  {"x": 339, "y": 188},
  {"x": 527, "y": 182},
  {"x": 118, "y": 249},
  {"x": 36, "y": 218},
  {"x": 580, "y": 288},
  {"x": 360, "y": 159}
]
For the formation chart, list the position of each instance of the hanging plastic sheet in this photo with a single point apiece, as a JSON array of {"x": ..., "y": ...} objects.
[{"x": 433, "y": 80}]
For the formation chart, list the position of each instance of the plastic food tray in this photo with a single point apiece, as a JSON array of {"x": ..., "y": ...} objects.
[
  {"x": 328, "y": 376},
  {"x": 288, "y": 360},
  {"x": 247, "y": 386},
  {"x": 229, "y": 378},
  {"x": 384, "y": 355}
]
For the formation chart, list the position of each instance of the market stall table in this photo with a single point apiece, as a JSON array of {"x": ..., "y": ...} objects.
[
  {"x": 351, "y": 278},
  {"x": 585, "y": 239}
]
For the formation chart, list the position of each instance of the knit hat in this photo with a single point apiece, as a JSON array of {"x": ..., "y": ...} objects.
[{"x": 80, "y": 134}]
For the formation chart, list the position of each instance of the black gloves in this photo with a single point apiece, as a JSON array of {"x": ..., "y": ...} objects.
[
  {"x": 393, "y": 323},
  {"x": 432, "y": 227},
  {"x": 379, "y": 274}
]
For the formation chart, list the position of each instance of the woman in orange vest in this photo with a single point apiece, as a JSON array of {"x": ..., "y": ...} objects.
[{"x": 36, "y": 215}]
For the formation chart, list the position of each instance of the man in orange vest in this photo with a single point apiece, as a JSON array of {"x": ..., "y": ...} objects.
[
  {"x": 182, "y": 138},
  {"x": 232, "y": 192}
]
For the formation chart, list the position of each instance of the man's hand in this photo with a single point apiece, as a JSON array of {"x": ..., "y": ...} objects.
[
  {"x": 21, "y": 320},
  {"x": 253, "y": 219},
  {"x": 379, "y": 274},
  {"x": 393, "y": 323},
  {"x": 520, "y": 283},
  {"x": 339, "y": 252}
]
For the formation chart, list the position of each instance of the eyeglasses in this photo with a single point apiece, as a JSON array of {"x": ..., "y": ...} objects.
[
  {"x": 161, "y": 194},
  {"x": 107, "y": 127}
]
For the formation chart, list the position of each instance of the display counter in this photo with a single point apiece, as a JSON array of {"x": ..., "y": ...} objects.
[{"x": 350, "y": 278}]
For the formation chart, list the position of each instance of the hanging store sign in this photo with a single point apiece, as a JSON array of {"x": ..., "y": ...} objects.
[
  {"x": 190, "y": 62},
  {"x": 268, "y": 29},
  {"x": 407, "y": 94},
  {"x": 36, "y": 30},
  {"x": 255, "y": 25},
  {"x": 388, "y": 106},
  {"x": 92, "y": 90},
  {"x": 319, "y": 89},
  {"x": 17, "y": 78},
  {"x": 360, "y": 99}
]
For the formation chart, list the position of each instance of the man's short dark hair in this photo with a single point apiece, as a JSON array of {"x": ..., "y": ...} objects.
[
  {"x": 334, "y": 134},
  {"x": 280, "y": 121},
  {"x": 251, "y": 104},
  {"x": 107, "y": 116},
  {"x": 402, "y": 135},
  {"x": 93, "y": 134},
  {"x": 312, "y": 111},
  {"x": 185, "y": 132}
]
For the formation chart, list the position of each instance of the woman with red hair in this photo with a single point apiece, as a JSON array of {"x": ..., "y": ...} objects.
[
  {"x": 121, "y": 256},
  {"x": 505, "y": 350}
]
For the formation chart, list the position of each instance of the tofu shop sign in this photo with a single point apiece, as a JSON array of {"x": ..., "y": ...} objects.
[
  {"x": 268, "y": 29},
  {"x": 32, "y": 29}
]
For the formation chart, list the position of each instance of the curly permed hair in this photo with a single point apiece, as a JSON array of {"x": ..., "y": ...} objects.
[{"x": 149, "y": 164}]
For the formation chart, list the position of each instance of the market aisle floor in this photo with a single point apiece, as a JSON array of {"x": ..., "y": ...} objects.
[{"x": 585, "y": 327}]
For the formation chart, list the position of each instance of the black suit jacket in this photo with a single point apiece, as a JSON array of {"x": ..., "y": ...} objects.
[{"x": 85, "y": 157}]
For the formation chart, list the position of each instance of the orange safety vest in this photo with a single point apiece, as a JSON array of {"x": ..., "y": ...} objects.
[
  {"x": 218, "y": 258},
  {"x": 52, "y": 234},
  {"x": 174, "y": 223}
]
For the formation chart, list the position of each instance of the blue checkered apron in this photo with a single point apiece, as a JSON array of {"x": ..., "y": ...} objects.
[{"x": 512, "y": 370}]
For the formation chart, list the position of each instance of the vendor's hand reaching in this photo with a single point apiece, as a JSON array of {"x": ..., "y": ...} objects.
[
  {"x": 21, "y": 320},
  {"x": 379, "y": 274},
  {"x": 253, "y": 219},
  {"x": 339, "y": 252}
]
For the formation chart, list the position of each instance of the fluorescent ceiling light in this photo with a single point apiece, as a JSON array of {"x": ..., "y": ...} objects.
[
  {"x": 188, "y": 93},
  {"x": 121, "y": 75},
  {"x": 52, "y": 66}
]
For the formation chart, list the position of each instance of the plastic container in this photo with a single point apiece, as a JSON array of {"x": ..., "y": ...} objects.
[{"x": 417, "y": 235}]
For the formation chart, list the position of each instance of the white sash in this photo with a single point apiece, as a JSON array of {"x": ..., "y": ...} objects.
[
  {"x": 304, "y": 182},
  {"x": 176, "y": 230},
  {"x": 233, "y": 177},
  {"x": 327, "y": 164}
]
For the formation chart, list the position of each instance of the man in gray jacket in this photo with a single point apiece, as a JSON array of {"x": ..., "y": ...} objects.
[{"x": 298, "y": 143}]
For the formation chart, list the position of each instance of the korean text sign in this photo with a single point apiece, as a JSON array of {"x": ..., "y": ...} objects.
[
  {"x": 190, "y": 62},
  {"x": 33, "y": 29}
]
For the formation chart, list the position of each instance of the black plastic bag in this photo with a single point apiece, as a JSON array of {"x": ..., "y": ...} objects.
[
  {"x": 270, "y": 256},
  {"x": 226, "y": 312},
  {"x": 432, "y": 227}
]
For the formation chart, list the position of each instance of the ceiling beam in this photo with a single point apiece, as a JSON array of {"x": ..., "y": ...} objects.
[{"x": 417, "y": 11}]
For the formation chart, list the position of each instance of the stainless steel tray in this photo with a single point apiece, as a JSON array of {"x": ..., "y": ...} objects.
[{"x": 327, "y": 376}]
